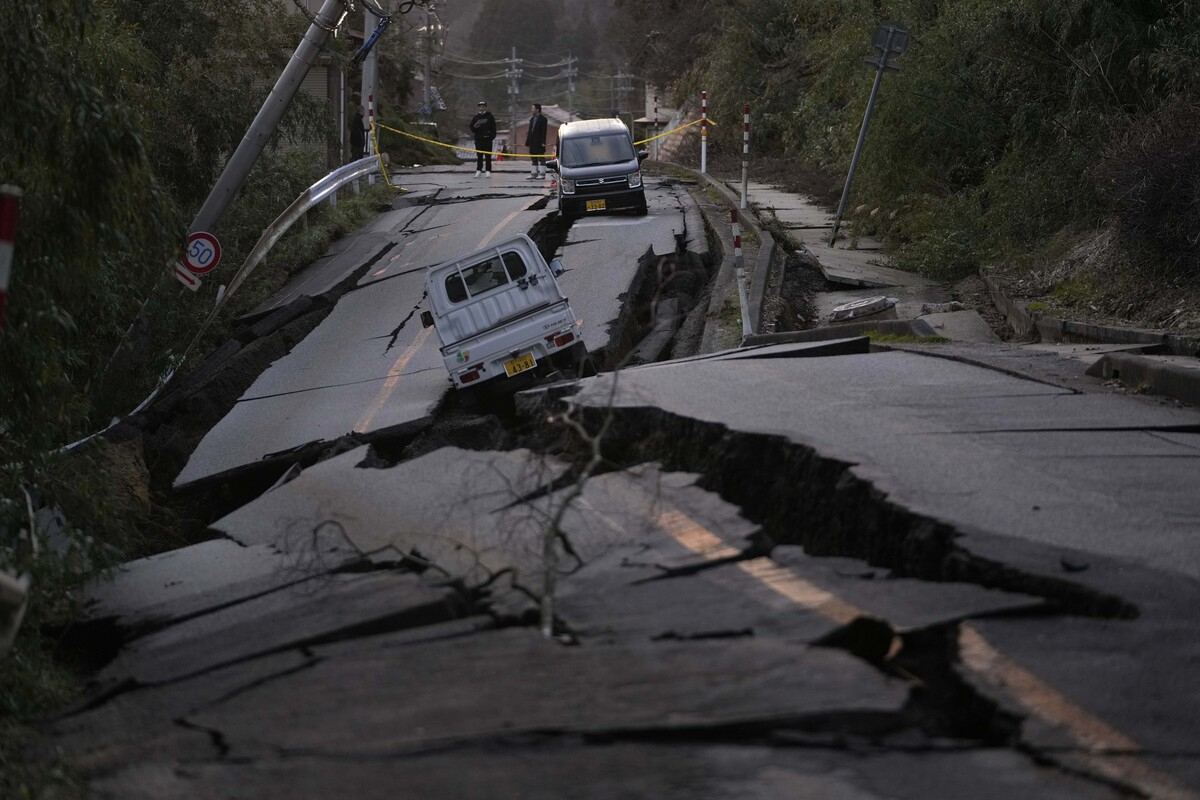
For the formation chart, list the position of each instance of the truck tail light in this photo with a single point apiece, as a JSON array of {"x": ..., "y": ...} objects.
[
  {"x": 471, "y": 374},
  {"x": 560, "y": 339}
]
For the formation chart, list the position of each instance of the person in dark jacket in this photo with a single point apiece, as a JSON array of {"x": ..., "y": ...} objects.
[
  {"x": 535, "y": 140},
  {"x": 358, "y": 135},
  {"x": 483, "y": 126}
]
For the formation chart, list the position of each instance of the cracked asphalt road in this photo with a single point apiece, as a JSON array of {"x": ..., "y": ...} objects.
[{"x": 803, "y": 571}]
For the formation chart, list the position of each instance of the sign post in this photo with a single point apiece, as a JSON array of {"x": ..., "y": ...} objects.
[
  {"x": 201, "y": 255},
  {"x": 889, "y": 41}
]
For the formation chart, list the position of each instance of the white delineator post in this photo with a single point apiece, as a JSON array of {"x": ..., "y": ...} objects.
[
  {"x": 10, "y": 202},
  {"x": 745, "y": 151},
  {"x": 739, "y": 263},
  {"x": 656, "y": 152},
  {"x": 704, "y": 132}
]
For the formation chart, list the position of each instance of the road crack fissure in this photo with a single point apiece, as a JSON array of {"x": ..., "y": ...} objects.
[{"x": 800, "y": 497}]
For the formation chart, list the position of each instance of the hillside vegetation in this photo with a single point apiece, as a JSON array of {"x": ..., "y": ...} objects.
[
  {"x": 118, "y": 118},
  {"x": 1052, "y": 139}
]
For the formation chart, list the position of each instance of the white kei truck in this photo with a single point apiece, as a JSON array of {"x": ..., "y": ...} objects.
[{"x": 499, "y": 313}]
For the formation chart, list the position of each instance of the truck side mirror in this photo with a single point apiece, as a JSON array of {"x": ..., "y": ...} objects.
[
  {"x": 426, "y": 319},
  {"x": 552, "y": 164},
  {"x": 557, "y": 268}
]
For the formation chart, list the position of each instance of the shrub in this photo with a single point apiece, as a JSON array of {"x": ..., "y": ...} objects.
[{"x": 1151, "y": 176}]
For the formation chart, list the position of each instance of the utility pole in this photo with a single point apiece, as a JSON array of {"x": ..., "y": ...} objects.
[
  {"x": 243, "y": 158},
  {"x": 623, "y": 88},
  {"x": 513, "y": 73},
  {"x": 370, "y": 66},
  {"x": 571, "y": 72},
  {"x": 426, "y": 97}
]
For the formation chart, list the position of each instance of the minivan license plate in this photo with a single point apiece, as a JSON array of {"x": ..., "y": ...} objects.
[
  {"x": 519, "y": 364},
  {"x": 595, "y": 205}
]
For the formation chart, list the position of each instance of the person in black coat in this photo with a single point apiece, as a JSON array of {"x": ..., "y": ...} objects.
[
  {"x": 483, "y": 126},
  {"x": 535, "y": 140},
  {"x": 358, "y": 135}
]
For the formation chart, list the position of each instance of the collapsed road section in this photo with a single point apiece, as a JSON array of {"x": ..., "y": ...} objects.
[{"x": 749, "y": 600}]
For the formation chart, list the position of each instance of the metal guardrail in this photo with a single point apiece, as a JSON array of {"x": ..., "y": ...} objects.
[{"x": 319, "y": 191}]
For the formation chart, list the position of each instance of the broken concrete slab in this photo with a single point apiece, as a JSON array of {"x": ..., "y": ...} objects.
[
  {"x": 1089, "y": 352},
  {"x": 962, "y": 326},
  {"x": 344, "y": 257},
  {"x": 862, "y": 268},
  {"x": 153, "y": 591},
  {"x": 1173, "y": 376},
  {"x": 1094, "y": 701},
  {"x": 906, "y": 604},
  {"x": 513, "y": 682},
  {"x": 638, "y": 770},
  {"x": 626, "y": 595},
  {"x": 256, "y": 429},
  {"x": 322, "y": 608},
  {"x": 909, "y": 300},
  {"x": 889, "y": 413},
  {"x": 141, "y": 724},
  {"x": 443, "y": 507}
]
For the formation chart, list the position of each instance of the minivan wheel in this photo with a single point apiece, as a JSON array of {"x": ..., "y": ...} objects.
[{"x": 641, "y": 209}]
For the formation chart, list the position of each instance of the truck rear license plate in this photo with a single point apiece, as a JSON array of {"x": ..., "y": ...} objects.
[
  {"x": 595, "y": 205},
  {"x": 519, "y": 364}
]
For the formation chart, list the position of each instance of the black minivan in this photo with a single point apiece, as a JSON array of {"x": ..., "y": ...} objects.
[{"x": 598, "y": 169}]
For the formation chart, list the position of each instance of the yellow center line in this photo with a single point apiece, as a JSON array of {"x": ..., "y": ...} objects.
[
  {"x": 1114, "y": 758},
  {"x": 385, "y": 392},
  {"x": 704, "y": 542},
  {"x": 499, "y": 227},
  {"x": 389, "y": 385}
]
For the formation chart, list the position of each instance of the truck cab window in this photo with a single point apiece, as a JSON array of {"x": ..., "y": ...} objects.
[
  {"x": 516, "y": 266},
  {"x": 456, "y": 292}
]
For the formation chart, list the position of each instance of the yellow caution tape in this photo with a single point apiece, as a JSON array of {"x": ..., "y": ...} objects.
[
  {"x": 382, "y": 167},
  {"x": 459, "y": 148},
  {"x": 676, "y": 130}
]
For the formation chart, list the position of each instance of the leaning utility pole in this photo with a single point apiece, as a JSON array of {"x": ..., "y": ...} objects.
[{"x": 243, "y": 158}]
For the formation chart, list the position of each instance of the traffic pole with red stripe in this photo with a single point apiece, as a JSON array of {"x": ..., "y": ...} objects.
[
  {"x": 10, "y": 204},
  {"x": 704, "y": 132},
  {"x": 371, "y": 133},
  {"x": 656, "y": 127},
  {"x": 745, "y": 151}
]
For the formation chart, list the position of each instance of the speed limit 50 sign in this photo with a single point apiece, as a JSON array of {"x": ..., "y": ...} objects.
[{"x": 202, "y": 253}]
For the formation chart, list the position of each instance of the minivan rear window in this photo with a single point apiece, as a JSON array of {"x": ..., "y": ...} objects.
[{"x": 596, "y": 150}]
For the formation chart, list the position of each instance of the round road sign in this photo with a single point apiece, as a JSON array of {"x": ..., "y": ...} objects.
[{"x": 202, "y": 254}]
